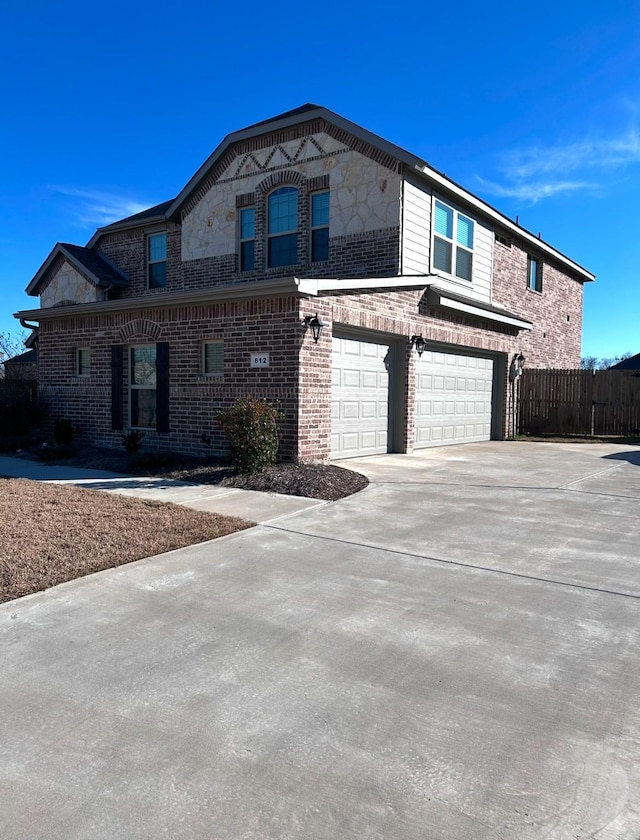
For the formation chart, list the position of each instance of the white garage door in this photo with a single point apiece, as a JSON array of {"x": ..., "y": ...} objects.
[
  {"x": 453, "y": 398},
  {"x": 359, "y": 398}
]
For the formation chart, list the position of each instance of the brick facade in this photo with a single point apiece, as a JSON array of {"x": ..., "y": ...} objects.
[{"x": 368, "y": 245}]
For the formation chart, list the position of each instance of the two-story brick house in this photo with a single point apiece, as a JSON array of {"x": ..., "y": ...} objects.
[{"x": 167, "y": 316}]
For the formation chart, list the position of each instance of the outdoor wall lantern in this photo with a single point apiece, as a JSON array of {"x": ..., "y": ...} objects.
[
  {"x": 316, "y": 325},
  {"x": 517, "y": 366},
  {"x": 419, "y": 343}
]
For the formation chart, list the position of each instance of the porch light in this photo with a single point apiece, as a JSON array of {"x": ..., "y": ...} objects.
[
  {"x": 419, "y": 343},
  {"x": 316, "y": 325}
]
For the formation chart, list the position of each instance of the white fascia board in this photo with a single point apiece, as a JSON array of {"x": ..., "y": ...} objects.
[
  {"x": 315, "y": 286},
  {"x": 239, "y": 291},
  {"x": 478, "y": 311},
  {"x": 488, "y": 211}
]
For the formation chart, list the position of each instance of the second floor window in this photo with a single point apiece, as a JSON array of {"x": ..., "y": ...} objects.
[
  {"x": 247, "y": 238},
  {"x": 319, "y": 226},
  {"x": 534, "y": 274},
  {"x": 157, "y": 260},
  {"x": 452, "y": 242},
  {"x": 282, "y": 227}
]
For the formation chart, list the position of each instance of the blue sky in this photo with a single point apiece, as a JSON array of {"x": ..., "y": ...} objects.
[{"x": 109, "y": 108}]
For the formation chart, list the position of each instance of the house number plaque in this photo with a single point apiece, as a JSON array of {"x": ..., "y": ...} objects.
[{"x": 259, "y": 360}]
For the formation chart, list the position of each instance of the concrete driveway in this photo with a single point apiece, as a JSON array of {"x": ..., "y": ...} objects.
[{"x": 452, "y": 653}]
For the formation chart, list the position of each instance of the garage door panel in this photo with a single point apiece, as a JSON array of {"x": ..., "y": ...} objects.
[
  {"x": 453, "y": 398},
  {"x": 360, "y": 390}
]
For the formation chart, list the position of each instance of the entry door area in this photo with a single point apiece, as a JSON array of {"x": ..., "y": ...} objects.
[
  {"x": 453, "y": 398},
  {"x": 359, "y": 397}
]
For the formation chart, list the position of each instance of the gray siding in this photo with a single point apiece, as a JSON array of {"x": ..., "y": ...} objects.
[{"x": 416, "y": 244}]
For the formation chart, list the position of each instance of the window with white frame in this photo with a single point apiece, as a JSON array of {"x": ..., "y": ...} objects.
[
  {"x": 142, "y": 386},
  {"x": 83, "y": 361},
  {"x": 247, "y": 238},
  {"x": 534, "y": 274},
  {"x": 157, "y": 260},
  {"x": 320, "y": 226},
  {"x": 282, "y": 227},
  {"x": 213, "y": 358},
  {"x": 453, "y": 235}
]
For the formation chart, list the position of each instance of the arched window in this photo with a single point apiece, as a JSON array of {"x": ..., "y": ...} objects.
[{"x": 282, "y": 227}]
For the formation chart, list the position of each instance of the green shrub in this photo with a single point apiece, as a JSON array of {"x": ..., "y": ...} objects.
[
  {"x": 251, "y": 428},
  {"x": 63, "y": 432},
  {"x": 132, "y": 441}
]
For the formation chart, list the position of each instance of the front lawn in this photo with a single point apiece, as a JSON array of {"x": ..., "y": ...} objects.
[{"x": 51, "y": 533}]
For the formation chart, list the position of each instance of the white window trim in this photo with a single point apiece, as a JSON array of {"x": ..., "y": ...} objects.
[
  {"x": 133, "y": 387},
  {"x": 313, "y": 227},
  {"x": 78, "y": 367},
  {"x": 269, "y": 237},
  {"x": 537, "y": 277},
  {"x": 454, "y": 243},
  {"x": 242, "y": 240},
  {"x": 150, "y": 262},
  {"x": 203, "y": 363}
]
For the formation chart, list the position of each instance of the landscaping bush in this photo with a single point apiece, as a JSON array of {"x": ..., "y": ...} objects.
[
  {"x": 251, "y": 428},
  {"x": 132, "y": 441},
  {"x": 63, "y": 432}
]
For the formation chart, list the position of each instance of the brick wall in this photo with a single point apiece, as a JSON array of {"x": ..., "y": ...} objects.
[
  {"x": 556, "y": 312},
  {"x": 266, "y": 326}
]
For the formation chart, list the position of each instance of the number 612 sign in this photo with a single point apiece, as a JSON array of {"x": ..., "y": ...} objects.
[{"x": 259, "y": 360}]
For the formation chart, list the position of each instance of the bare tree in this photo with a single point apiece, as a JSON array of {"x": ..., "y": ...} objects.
[{"x": 594, "y": 363}]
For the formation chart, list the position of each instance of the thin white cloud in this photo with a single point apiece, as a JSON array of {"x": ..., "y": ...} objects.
[
  {"x": 541, "y": 172},
  {"x": 534, "y": 191},
  {"x": 95, "y": 208}
]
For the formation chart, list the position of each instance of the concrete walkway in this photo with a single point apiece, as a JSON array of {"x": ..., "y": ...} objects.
[
  {"x": 247, "y": 504},
  {"x": 451, "y": 654}
]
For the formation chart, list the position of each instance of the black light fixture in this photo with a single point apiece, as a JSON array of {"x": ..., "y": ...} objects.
[
  {"x": 419, "y": 343},
  {"x": 316, "y": 325},
  {"x": 517, "y": 366}
]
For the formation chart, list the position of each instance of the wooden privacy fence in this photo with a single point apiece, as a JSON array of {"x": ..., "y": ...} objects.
[{"x": 579, "y": 402}]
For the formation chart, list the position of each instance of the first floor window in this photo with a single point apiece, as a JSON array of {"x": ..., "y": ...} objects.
[
  {"x": 320, "y": 226},
  {"x": 142, "y": 386},
  {"x": 452, "y": 242},
  {"x": 247, "y": 238},
  {"x": 534, "y": 274},
  {"x": 83, "y": 361},
  {"x": 157, "y": 260},
  {"x": 282, "y": 227},
  {"x": 213, "y": 358}
]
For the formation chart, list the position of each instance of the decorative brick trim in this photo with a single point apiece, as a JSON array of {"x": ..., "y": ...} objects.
[
  {"x": 245, "y": 200},
  {"x": 140, "y": 328},
  {"x": 363, "y": 147},
  {"x": 298, "y": 132},
  {"x": 319, "y": 183},
  {"x": 281, "y": 178}
]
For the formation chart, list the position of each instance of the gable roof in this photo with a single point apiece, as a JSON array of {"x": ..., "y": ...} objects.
[
  {"x": 93, "y": 265},
  {"x": 30, "y": 357},
  {"x": 632, "y": 363},
  {"x": 157, "y": 213},
  {"x": 413, "y": 165}
]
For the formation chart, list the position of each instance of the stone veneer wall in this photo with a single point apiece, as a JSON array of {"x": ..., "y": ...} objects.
[
  {"x": 67, "y": 285},
  {"x": 364, "y": 194}
]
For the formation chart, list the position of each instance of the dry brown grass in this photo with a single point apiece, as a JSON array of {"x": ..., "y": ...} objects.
[{"x": 51, "y": 533}]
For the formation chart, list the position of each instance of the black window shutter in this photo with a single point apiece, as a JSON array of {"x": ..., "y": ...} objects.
[
  {"x": 162, "y": 386},
  {"x": 117, "y": 382}
]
